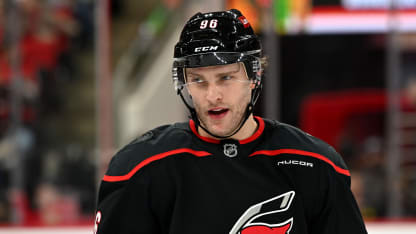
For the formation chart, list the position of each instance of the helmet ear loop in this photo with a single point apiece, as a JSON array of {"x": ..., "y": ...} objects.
[
  {"x": 192, "y": 110},
  {"x": 179, "y": 89},
  {"x": 184, "y": 80},
  {"x": 257, "y": 74},
  {"x": 193, "y": 114}
]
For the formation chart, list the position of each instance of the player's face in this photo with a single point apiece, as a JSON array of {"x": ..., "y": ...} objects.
[{"x": 220, "y": 95}]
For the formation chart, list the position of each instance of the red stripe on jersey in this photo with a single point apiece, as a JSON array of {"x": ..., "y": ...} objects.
[
  {"x": 152, "y": 159},
  {"x": 207, "y": 139},
  {"x": 304, "y": 153},
  {"x": 253, "y": 137}
]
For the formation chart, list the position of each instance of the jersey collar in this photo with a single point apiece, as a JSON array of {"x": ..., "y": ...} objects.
[{"x": 253, "y": 137}]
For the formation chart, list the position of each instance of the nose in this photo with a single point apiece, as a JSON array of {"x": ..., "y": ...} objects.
[{"x": 214, "y": 93}]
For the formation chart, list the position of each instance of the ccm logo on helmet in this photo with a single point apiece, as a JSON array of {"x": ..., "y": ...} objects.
[{"x": 205, "y": 48}]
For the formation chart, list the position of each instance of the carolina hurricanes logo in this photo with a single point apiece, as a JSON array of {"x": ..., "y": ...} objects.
[
  {"x": 97, "y": 221},
  {"x": 260, "y": 228},
  {"x": 249, "y": 222}
]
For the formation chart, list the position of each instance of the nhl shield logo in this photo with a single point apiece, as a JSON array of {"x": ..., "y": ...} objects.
[{"x": 230, "y": 150}]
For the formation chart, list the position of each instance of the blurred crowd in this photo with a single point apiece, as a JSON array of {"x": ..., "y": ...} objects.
[
  {"x": 356, "y": 124},
  {"x": 368, "y": 156},
  {"x": 38, "y": 39}
]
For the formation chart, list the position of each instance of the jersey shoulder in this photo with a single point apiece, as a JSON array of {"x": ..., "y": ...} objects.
[
  {"x": 158, "y": 141},
  {"x": 291, "y": 137}
]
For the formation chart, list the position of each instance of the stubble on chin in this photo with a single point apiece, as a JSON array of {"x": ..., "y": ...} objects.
[{"x": 224, "y": 127}]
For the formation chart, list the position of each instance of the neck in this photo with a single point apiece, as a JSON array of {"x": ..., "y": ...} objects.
[{"x": 246, "y": 131}]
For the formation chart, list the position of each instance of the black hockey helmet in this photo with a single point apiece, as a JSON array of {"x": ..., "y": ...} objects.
[{"x": 218, "y": 38}]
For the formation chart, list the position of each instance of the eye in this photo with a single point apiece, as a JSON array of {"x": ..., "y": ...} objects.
[
  {"x": 196, "y": 80},
  {"x": 227, "y": 77}
]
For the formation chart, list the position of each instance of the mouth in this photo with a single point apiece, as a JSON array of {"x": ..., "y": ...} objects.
[{"x": 217, "y": 113}]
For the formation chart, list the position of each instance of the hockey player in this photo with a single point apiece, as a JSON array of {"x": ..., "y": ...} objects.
[{"x": 225, "y": 171}]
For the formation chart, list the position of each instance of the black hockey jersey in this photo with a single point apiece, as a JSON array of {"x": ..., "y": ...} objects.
[{"x": 280, "y": 180}]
